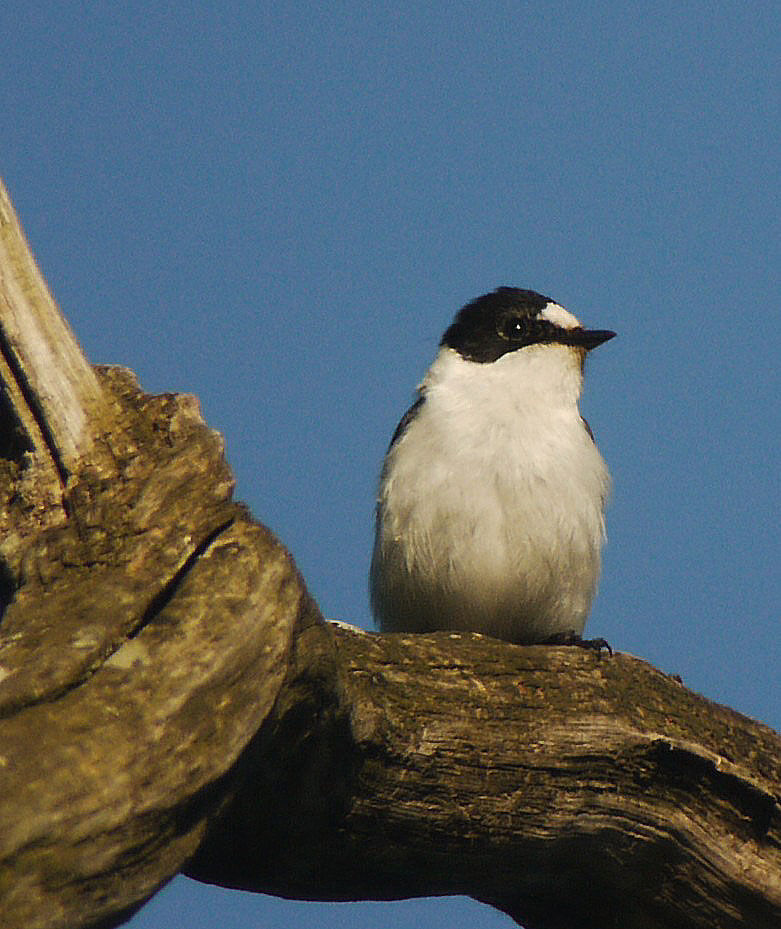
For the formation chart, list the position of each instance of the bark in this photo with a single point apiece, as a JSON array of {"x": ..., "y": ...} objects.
[
  {"x": 171, "y": 699},
  {"x": 569, "y": 789},
  {"x": 147, "y": 626}
]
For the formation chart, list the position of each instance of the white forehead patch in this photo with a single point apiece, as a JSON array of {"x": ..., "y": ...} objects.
[{"x": 559, "y": 316}]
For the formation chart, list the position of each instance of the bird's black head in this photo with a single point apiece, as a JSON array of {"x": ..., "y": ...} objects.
[{"x": 510, "y": 318}]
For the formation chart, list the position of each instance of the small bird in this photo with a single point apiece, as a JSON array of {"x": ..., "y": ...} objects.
[{"x": 491, "y": 504}]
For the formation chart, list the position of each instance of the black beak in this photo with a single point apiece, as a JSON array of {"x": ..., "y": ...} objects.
[{"x": 587, "y": 338}]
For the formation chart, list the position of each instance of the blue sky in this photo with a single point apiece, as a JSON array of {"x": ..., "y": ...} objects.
[{"x": 279, "y": 208}]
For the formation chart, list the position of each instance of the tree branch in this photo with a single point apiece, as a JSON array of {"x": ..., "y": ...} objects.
[
  {"x": 42, "y": 362},
  {"x": 568, "y": 789},
  {"x": 169, "y": 694}
]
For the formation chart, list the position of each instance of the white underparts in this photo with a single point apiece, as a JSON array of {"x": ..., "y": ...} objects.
[{"x": 491, "y": 504}]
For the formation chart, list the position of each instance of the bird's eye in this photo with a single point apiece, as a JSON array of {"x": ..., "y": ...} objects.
[{"x": 513, "y": 329}]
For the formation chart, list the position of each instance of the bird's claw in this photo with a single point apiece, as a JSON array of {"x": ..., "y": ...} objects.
[{"x": 570, "y": 638}]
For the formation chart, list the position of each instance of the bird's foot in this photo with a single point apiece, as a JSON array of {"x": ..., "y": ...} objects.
[{"x": 570, "y": 638}]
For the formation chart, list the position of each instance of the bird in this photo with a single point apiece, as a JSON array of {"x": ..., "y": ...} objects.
[{"x": 490, "y": 513}]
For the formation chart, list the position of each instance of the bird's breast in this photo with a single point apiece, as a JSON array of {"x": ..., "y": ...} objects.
[{"x": 494, "y": 516}]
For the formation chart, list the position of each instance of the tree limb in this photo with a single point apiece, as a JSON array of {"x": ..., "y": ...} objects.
[
  {"x": 568, "y": 789},
  {"x": 147, "y": 626},
  {"x": 41, "y": 359},
  {"x": 170, "y": 698}
]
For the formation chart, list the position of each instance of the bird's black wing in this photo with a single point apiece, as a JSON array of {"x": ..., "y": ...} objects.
[
  {"x": 406, "y": 419},
  {"x": 588, "y": 429}
]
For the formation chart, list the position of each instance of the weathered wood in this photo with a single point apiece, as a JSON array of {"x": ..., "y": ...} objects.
[
  {"x": 169, "y": 691},
  {"x": 145, "y": 645},
  {"x": 572, "y": 790},
  {"x": 62, "y": 399},
  {"x": 146, "y": 628}
]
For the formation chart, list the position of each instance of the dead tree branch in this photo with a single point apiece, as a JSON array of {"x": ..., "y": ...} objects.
[{"x": 170, "y": 699}]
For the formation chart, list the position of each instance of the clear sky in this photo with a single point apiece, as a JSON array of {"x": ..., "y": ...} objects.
[{"x": 280, "y": 206}]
